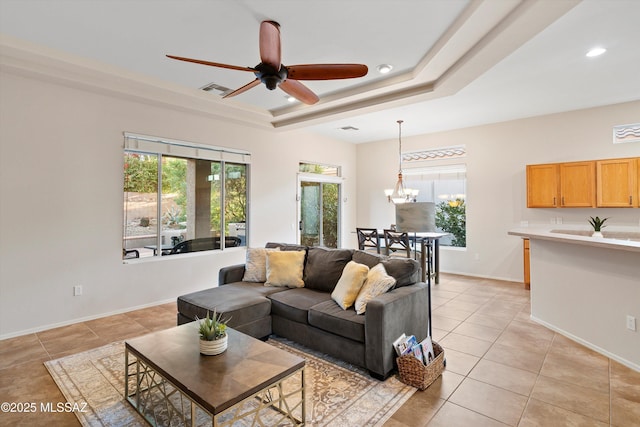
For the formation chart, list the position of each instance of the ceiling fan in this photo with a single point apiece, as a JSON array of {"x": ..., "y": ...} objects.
[{"x": 273, "y": 73}]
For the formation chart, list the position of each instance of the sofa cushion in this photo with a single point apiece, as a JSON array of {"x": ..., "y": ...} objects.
[
  {"x": 367, "y": 258},
  {"x": 406, "y": 271},
  {"x": 244, "y": 302},
  {"x": 285, "y": 268},
  {"x": 349, "y": 284},
  {"x": 256, "y": 265},
  {"x": 285, "y": 246},
  {"x": 377, "y": 283},
  {"x": 324, "y": 267},
  {"x": 329, "y": 317},
  {"x": 294, "y": 304}
]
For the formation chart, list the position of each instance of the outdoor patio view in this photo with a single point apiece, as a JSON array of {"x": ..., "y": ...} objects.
[
  {"x": 446, "y": 187},
  {"x": 176, "y": 205}
]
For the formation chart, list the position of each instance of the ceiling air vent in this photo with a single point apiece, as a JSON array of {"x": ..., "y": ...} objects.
[{"x": 211, "y": 87}]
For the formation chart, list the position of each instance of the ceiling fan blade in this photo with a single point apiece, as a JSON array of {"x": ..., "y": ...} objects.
[
  {"x": 213, "y": 64},
  {"x": 244, "y": 88},
  {"x": 326, "y": 71},
  {"x": 299, "y": 91},
  {"x": 270, "y": 53}
]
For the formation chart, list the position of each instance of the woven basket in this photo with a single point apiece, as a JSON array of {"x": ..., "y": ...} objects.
[{"x": 414, "y": 373}]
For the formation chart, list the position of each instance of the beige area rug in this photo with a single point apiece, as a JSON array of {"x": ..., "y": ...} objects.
[{"x": 337, "y": 394}]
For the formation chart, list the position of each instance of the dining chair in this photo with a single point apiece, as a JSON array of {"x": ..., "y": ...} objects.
[
  {"x": 396, "y": 241},
  {"x": 368, "y": 238}
]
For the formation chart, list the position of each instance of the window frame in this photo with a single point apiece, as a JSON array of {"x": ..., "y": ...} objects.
[
  {"x": 453, "y": 167},
  {"x": 164, "y": 147}
]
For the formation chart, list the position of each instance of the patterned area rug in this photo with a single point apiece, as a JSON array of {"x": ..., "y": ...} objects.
[{"x": 338, "y": 394}]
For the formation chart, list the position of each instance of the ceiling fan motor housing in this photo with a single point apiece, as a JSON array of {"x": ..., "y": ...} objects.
[{"x": 270, "y": 76}]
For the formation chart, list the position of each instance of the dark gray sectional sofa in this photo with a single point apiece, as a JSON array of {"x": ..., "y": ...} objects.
[{"x": 310, "y": 317}]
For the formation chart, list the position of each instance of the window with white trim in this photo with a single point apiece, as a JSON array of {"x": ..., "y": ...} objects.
[
  {"x": 182, "y": 197},
  {"x": 445, "y": 185}
]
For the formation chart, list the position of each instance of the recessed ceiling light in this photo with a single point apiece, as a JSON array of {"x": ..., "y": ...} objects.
[
  {"x": 384, "y": 68},
  {"x": 290, "y": 98},
  {"x": 596, "y": 51}
]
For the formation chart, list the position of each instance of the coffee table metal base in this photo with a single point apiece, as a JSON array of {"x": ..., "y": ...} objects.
[{"x": 161, "y": 403}]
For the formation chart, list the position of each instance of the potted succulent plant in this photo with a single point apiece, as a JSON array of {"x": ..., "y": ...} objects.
[
  {"x": 597, "y": 225},
  {"x": 213, "y": 334}
]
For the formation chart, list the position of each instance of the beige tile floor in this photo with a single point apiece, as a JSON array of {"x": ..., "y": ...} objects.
[{"x": 502, "y": 368}]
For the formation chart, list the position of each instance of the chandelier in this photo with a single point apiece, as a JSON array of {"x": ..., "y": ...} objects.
[{"x": 400, "y": 194}]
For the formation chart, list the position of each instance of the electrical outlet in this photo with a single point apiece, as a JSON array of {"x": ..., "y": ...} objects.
[
  {"x": 631, "y": 323},
  {"x": 77, "y": 291},
  {"x": 524, "y": 223},
  {"x": 559, "y": 220}
]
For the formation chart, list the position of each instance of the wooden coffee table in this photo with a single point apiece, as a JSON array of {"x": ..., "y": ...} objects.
[{"x": 170, "y": 383}]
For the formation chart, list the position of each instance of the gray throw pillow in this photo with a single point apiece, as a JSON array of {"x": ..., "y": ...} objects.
[
  {"x": 324, "y": 267},
  {"x": 406, "y": 271},
  {"x": 367, "y": 258}
]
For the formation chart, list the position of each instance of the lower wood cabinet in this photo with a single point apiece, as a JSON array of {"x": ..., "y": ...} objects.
[{"x": 527, "y": 265}]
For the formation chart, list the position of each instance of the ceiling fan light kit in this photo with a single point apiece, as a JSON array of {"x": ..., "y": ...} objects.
[{"x": 272, "y": 73}]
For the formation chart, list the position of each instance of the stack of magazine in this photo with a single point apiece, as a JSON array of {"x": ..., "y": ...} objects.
[{"x": 407, "y": 345}]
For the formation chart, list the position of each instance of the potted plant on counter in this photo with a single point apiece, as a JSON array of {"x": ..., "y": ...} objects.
[
  {"x": 597, "y": 225},
  {"x": 213, "y": 334}
]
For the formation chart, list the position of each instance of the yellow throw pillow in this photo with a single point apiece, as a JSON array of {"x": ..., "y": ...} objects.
[
  {"x": 284, "y": 268},
  {"x": 378, "y": 282},
  {"x": 349, "y": 284}
]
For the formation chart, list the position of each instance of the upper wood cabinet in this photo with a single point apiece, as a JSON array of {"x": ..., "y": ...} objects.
[
  {"x": 617, "y": 183},
  {"x": 578, "y": 185},
  {"x": 561, "y": 185},
  {"x": 543, "y": 186}
]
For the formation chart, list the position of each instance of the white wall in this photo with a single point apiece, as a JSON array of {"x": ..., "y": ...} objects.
[
  {"x": 586, "y": 293},
  {"x": 496, "y": 182},
  {"x": 61, "y": 199}
]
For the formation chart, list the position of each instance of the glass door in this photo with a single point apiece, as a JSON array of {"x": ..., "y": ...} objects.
[{"x": 319, "y": 213}]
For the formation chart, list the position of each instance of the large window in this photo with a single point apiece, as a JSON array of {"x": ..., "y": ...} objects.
[
  {"x": 181, "y": 197},
  {"x": 445, "y": 186}
]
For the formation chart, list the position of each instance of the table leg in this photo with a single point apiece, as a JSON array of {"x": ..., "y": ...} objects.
[{"x": 436, "y": 260}]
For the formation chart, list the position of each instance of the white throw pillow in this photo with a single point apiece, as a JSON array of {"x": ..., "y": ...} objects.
[
  {"x": 349, "y": 284},
  {"x": 378, "y": 282},
  {"x": 284, "y": 268},
  {"x": 255, "y": 269}
]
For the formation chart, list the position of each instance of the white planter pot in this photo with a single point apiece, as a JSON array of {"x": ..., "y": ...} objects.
[
  {"x": 597, "y": 234},
  {"x": 211, "y": 348}
]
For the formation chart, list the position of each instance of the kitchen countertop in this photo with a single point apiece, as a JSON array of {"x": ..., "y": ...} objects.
[{"x": 614, "y": 239}]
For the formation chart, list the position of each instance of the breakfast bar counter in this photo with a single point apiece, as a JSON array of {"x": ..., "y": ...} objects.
[
  {"x": 587, "y": 288},
  {"x": 621, "y": 239}
]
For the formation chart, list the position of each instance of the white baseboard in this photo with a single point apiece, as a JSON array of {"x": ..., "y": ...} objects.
[
  {"x": 482, "y": 276},
  {"x": 82, "y": 319},
  {"x": 587, "y": 344}
]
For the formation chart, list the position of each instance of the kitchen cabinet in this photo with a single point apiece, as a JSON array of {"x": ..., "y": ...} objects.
[
  {"x": 527, "y": 264},
  {"x": 543, "y": 186},
  {"x": 566, "y": 185},
  {"x": 617, "y": 183},
  {"x": 578, "y": 185}
]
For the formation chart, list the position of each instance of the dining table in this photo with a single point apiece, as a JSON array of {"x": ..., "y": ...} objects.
[{"x": 429, "y": 243}]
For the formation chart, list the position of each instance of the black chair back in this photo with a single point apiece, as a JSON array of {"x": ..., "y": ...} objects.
[
  {"x": 368, "y": 238},
  {"x": 397, "y": 241}
]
